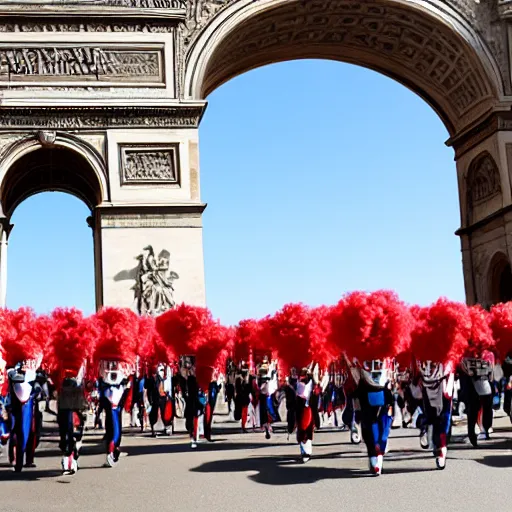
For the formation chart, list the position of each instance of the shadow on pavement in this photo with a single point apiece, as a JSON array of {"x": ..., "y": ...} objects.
[
  {"x": 217, "y": 445},
  {"x": 286, "y": 471},
  {"x": 7, "y": 475},
  {"x": 496, "y": 461}
]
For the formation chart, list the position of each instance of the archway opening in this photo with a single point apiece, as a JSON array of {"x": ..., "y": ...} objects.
[
  {"x": 501, "y": 280},
  {"x": 48, "y": 196},
  {"x": 55, "y": 169},
  {"x": 320, "y": 195}
]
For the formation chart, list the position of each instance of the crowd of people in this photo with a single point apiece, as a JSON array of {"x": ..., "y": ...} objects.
[{"x": 363, "y": 363}]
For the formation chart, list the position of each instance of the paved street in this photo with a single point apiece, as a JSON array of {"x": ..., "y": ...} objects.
[{"x": 245, "y": 472}]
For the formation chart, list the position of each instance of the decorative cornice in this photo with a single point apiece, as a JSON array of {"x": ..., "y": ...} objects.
[
  {"x": 150, "y": 216},
  {"x": 100, "y": 117},
  {"x": 468, "y": 230},
  {"x": 152, "y": 209},
  {"x": 82, "y": 9},
  {"x": 479, "y": 131}
]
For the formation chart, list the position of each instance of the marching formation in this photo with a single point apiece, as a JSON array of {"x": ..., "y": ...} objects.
[{"x": 363, "y": 360}]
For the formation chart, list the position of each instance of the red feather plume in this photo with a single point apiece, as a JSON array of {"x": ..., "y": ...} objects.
[
  {"x": 118, "y": 335},
  {"x": 290, "y": 336},
  {"x": 247, "y": 337},
  {"x": 150, "y": 347},
  {"x": 481, "y": 338},
  {"x": 23, "y": 337},
  {"x": 185, "y": 328},
  {"x": 73, "y": 340},
  {"x": 501, "y": 325},
  {"x": 212, "y": 355},
  {"x": 373, "y": 325},
  {"x": 441, "y": 332},
  {"x": 322, "y": 350}
]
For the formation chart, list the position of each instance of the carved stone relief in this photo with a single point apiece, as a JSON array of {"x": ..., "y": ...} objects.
[
  {"x": 483, "y": 179},
  {"x": 154, "y": 282},
  {"x": 80, "y": 63},
  {"x": 150, "y": 164}
]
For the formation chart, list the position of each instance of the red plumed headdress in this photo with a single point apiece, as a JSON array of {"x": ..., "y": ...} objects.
[
  {"x": 290, "y": 332},
  {"x": 501, "y": 325},
  {"x": 481, "y": 338},
  {"x": 247, "y": 338},
  {"x": 118, "y": 335},
  {"x": 322, "y": 350},
  {"x": 185, "y": 328},
  {"x": 441, "y": 331},
  {"x": 150, "y": 347},
  {"x": 212, "y": 355},
  {"x": 73, "y": 340},
  {"x": 373, "y": 325},
  {"x": 23, "y": 337}
]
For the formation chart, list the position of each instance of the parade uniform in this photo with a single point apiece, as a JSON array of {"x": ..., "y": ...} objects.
[
  {"x": 113, "y": 388},
  {"x": 438, "y": 387},
  {"x": 71, "y": 407},
  {"x": 24, "y": 391},
  {"x": 304, "y": 414},
  {"x": 160, "y": 397},
  {"x": 376, "y": 410}
]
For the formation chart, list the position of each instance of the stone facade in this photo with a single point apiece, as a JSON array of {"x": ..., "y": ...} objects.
[{"x": 113, "y": 91}]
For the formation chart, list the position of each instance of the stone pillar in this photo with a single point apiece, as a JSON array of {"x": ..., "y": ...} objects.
[
  {"x": 150, "y": 256},
  {"x": 148, "y": 239},
  {"x": 484, "y": 169}
]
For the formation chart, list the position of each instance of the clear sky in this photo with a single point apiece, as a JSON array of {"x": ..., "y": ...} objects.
[{"x": 320, "y": 178}]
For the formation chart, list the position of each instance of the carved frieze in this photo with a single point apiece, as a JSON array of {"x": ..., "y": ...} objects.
[
  {"x": 483, "y": 179},
  {"x": 150, "y": 164},
  {"x": 94, "y": 118},
  {"x": 80, "y": 63},
  {"x": 369, "y": 30},
  {"x": 127, "y": 26}
]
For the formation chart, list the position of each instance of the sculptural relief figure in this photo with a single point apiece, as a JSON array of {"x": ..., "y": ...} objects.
[{"x": 154, "y": 290}]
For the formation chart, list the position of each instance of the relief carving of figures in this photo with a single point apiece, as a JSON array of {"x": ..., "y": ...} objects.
[
  {"x": 79, "y": 62},
  {"x": 483, "y": 179},
  {"x": 140, "y": 166},
  {"x": 199, "y": 12},
  {"x": 154, "y": 289}
]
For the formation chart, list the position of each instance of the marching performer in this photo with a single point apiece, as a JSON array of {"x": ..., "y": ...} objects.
[
  {"x": 242, "y": 396},
  {"x": 160, "y": 397},
  {"x": 267, "y": 385},
  {"x": 115, "y": 355},
  {"x": 376, "y": 408},
  {"x": 477, "y": 387},
  {"x": 113, "y": 389},
  {"x": 24, "y": 390},
  {"x": 70, "y": 345},
  {"x": 437, "y": 381},
  {"x": 195, "y": 401},
  {"x": 229, "y": 389},
  {"x": 305, "y": 420},
  {"x": 71, "y": 407}
]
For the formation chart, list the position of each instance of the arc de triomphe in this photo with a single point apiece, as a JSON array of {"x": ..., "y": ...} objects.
[{"x": 103, "y": 99}]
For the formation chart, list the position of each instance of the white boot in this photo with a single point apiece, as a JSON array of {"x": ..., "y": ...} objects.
[
  {"x": 441, "y": 458},
  {"x": 306, "y": 450}
]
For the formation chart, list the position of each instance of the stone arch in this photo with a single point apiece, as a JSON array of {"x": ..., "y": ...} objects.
[
  {"x": 499, "y": 279},
  {"x": 428, "y": 48},
  {"x": 483, "y": 187},
  {"x": 51, "y": 161}
]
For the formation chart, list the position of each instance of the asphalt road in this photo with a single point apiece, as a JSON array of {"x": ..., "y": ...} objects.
[{"x": 241, "y": 472}]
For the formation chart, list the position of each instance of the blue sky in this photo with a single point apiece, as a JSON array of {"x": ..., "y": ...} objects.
[{"x": 320, "y": 178}]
